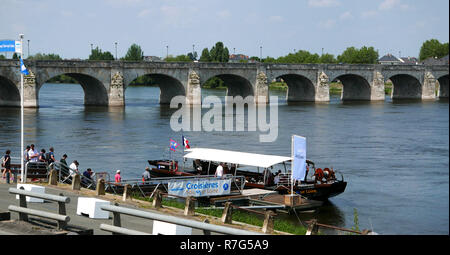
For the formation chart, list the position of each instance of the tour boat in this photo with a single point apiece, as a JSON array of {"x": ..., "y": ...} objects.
[{"x": 322, "y": 185}]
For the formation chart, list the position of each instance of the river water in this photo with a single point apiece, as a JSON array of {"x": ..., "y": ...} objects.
[{"x": 394, "y": 155}]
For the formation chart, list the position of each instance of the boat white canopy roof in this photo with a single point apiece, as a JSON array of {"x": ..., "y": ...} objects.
[{"x": 235, "y": 157}]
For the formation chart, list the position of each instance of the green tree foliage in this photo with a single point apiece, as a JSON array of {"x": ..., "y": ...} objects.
[
  {"x": 205, "y": 57},
  {"x": 327, "y": 59},
  {"x": 179, "y": 58},
  {"x": 300, "y": 57},
  {"x": 433, "y": 48},
  {"x": 2, "y": 57},
  {"x": 97, "y": 54},
  {"x": 134, "y": 53},
  {"x": 219, "y": 53},
  {"x": 143, "y": 80},
  {"x": 365, "y": 55},
  {"x": 41, "y": 56},
  {"x": 213, "y": 83},
  {"x": 193, "y": 56}
]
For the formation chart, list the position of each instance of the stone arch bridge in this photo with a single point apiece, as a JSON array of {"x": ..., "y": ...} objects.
[{"x": 104, "y": 82}]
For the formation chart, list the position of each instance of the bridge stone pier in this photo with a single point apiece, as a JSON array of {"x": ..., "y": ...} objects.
[{"x": 104, "y": 82}]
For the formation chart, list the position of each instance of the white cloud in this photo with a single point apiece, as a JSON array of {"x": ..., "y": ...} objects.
[
  {"x": 327, "y": 24},
  {"x": 224, "y": 14},
  {"x": 346, "y": 15},
  {"x": 391, "y": 4},
  {"x": 66, "y": 14},
  {"x": 323, "y": 3},
  {"x": 275, "y": 19},
  {"x": 369, "y": 14},
  {"x": 144, "y": 13}
]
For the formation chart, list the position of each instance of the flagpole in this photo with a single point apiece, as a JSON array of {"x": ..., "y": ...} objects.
[
  {"x": 292, "y": 166},
  {"x": 21, "y": 116}
]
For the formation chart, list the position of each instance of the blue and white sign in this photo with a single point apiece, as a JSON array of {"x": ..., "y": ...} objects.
[
  {"x": 299, "y": 157},
  {"x": 200, "y": 187},
  {"x": 10, "y": 46}
]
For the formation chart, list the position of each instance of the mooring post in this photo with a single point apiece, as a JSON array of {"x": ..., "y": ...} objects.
[
  {"x": 313, "y": 228},
  {"x": 206, "y": 232},
  {"x": 126, "y": 192},
  {"x": 76, "y": 182},
  {"x": 53, "y": 178},
  {"x": 189, "y": 208},
  {"x": 227, "y": 213},
  {"x": 61, "y": 206},
  {"x": 268, "y": 222},
  {"x": 157, "y": 199},
  {"x": 23, "y": 204},
  {"x": 100, "y": 190}
]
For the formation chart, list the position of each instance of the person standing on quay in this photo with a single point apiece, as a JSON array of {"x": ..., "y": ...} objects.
[
  {"x": 50, "y": 157},
  {"x": 33, "y": 154},
  {"x": 117, "y": 177},
  {"x": 42, "y": 156},
  {"x": 6, "y": 163},
  {"x": 146, "y": 175},
  {"x": 26, "y": 158}
]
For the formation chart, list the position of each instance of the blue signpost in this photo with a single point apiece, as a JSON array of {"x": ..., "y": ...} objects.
[{"x": 16, "y": 46}]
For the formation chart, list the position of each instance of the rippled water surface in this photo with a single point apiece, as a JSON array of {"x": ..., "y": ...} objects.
[{"x": 394, "y": 155}]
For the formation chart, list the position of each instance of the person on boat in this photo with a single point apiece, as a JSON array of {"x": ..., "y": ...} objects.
[
  {"x": 117, "y": 177},
  {"x": 276, "y": 179},
  {"x": 146, "y": 175},
  {"x": 219, "y": 171},
  {"x": 318, "y": 175},
  {"x": 198, "y": 166}
]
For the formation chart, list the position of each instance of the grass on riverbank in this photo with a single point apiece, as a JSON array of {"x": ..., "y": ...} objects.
[{"x": 238, "y": 216}]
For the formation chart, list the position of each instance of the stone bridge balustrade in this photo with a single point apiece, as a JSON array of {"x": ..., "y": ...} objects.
[{"x": 105, "y": 82}]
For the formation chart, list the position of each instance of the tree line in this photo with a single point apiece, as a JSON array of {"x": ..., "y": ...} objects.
[{"x": 219, "y": 53}]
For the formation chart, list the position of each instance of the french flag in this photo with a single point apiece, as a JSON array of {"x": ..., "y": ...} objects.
[{"x": 186, "y": 143}]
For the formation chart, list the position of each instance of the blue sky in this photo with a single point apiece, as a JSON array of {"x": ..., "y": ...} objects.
[{"x": 68, "y": 28}]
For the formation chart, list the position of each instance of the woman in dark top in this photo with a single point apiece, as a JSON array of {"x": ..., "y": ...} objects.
[{"x": 6, "y": 163}]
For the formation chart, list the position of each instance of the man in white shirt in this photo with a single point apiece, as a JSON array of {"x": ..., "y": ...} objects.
[
  {"x": 73, "y": 168},
  {"x": 33, "y": 154},
  {"x": 219, "y": 171}
]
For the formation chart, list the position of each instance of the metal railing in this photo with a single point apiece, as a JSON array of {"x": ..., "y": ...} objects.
[
  {"x": 23, "y": 211},
  {"x": 116, "y": 228},
  {"x": 65, "y": 176},
  {"x": 154, "y": 183}
]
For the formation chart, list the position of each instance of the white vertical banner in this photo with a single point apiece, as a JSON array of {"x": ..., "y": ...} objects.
[
  {"x": 18, "y": 47},
  {"x": 298, "y": 157}
]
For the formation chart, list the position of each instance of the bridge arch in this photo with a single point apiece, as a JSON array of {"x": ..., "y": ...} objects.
[
  {"x": 300, "y": 88},
  {"x": 9, "y": 92},
  {"x": 443, "y": 86},
  {"x": 169, "y": 86},
  {"x": 95, "y": 93},
  {"x": 237, "y": 85},
  {"x": 405, "y": 86},
  {"x": 354, "y": 87}
]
